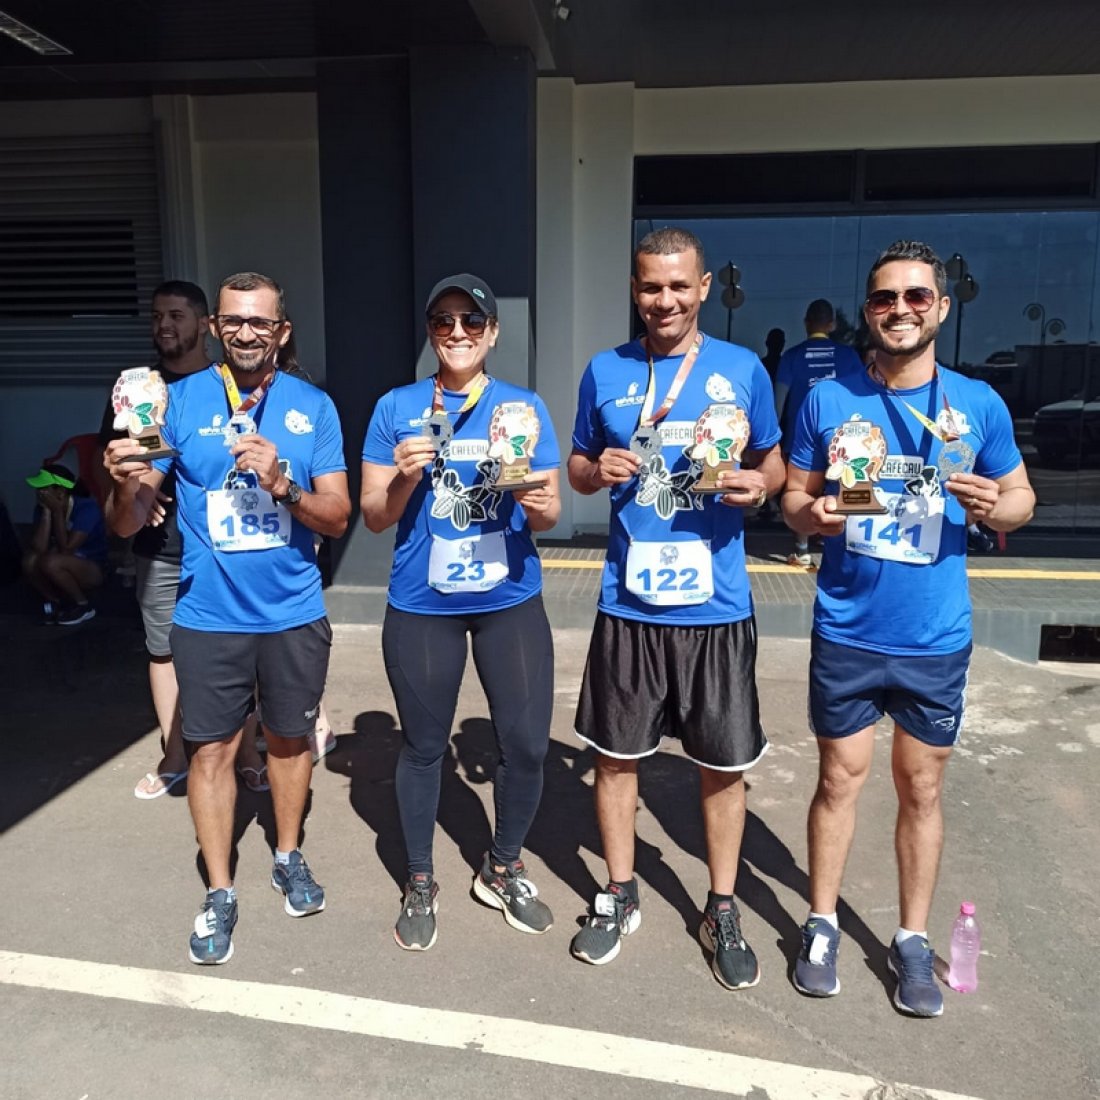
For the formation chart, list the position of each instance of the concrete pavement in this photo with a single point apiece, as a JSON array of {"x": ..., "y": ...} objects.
[{"x": 108, "y": 885}]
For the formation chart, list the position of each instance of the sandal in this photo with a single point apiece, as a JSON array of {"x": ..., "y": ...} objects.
[
  {"x": 166, "y": 781},
  {"x": 318, "y": 751},
  {"x": 259, "y": 783}
]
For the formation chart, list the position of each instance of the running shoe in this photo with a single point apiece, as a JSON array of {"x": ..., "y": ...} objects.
[
  {"x": 815, "y": 968},
  {"x": 212, "y": 939},
  {"x": 515, "y": 895},
  {"x": 415, "y": 929},
  {"x": 74, "y": 616},
  {"x": 801, "y": 556},
  {"x": 615, "y": 914},
  {"x": 912, "y": 961},
  {"x": 734, "y": 963},
  {"x": 295, "y": 882}
]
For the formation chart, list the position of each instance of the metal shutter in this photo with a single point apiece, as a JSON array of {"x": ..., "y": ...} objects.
[{"x": 80, "y": 255}]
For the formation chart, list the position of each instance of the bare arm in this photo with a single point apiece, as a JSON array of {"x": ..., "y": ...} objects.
[
  {"x": 134, "y": 488},
  {"x": 542, "y": 505},
  {"x": 1003, "y": 504},
  {"x": 805, "y": 509},
  {"x": 613, "y": 466}
]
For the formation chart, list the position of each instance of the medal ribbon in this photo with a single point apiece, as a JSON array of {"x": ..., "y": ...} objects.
[
  {"x": 236, "y": 405},
  {"x": 948, "y": 436},
  {"x": 649, "y": 419},
  {"x": 472, "y": 398}
]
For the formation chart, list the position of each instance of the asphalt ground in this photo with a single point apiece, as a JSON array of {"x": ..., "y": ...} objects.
[{"x": 99, "y": 1001}]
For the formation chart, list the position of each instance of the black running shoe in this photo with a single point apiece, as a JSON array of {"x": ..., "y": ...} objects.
[
  {"x": 615, "y": 914},
  {"x": 515, "y": 895},
  {"x": 415, "y": 929},
  {"x": 734, "y": 964}
]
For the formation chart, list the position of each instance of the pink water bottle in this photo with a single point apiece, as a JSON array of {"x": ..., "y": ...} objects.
[{"x": 966, "y": 945}]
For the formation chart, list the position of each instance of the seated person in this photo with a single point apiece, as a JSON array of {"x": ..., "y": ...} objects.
[{"x": 67, "y": 556}]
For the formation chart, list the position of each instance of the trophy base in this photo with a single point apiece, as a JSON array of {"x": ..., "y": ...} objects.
[
  {"x": 858, "y": 502},
  {"x": 149, "y": 455},
  {"x": 532, "y": 482},
  {"x": 709, "y": 490}
]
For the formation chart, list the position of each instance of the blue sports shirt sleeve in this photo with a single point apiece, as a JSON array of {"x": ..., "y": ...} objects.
[
  {"x": 380, "y": 440},
  {"x": 765, "y": 426},
  {"x": 328, "y": 445},
  {"x": 547, "y": 454},
  {"x": 588, "y": 434}
]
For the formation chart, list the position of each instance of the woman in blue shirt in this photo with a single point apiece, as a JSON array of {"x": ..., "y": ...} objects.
[{"x": 465, "y": 563}]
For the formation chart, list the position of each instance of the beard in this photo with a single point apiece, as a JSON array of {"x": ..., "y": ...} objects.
[
  {"x": 252, "y": 358},
  {"x": 928, "y": 334},
  {"x": 178, "y": 347}
]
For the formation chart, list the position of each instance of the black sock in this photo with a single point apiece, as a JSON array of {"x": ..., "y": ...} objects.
[{"x": 713, "y": 899}]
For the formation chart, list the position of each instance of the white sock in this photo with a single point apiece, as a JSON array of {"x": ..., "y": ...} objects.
[
  {"x": 828, "y": 918},
  {"x": 902, "y": 934},
  {"x": 282, "y": 857}
]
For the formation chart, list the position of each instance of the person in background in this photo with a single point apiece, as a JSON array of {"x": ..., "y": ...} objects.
[
  {"x": 67, "y": 556},
  {"x": 817, "y": 358},
  {"x": 773, "y": 351}
]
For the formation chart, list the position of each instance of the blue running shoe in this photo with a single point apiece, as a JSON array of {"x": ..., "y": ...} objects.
[
  {"x": 815, "y": 967},
  {"x": 294, "y": 881},
  {"x": 212, "y": 940},
  {"x": 917, "y": 993}
]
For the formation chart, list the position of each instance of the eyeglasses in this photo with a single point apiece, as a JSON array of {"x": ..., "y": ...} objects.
[
  {"x": 261, "y": 326},
  {"x": 443, "y": 324},
  {"x": 920, "y": 299}
]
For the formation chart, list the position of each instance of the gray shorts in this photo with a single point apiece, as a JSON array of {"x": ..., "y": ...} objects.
[
  {"x": 157, "y": 583},
  {"x": 219, "y": 674}
]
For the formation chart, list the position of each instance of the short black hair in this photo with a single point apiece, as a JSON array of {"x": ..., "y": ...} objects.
[
  {"x": 180, "y": 288},
  {"x": 917, "y": 252},
  {"x": 820, "y": 312},
  {"x": 668, "y": 241},
  {"x": 253, "y": 280},
  {"x": 58, "y": 469}
]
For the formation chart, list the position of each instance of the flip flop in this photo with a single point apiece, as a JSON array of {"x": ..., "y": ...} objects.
[
  {"x": 257, "y": 785},
  {"x": 318, "y": 752},
  {"x": 167, "y": 781}
]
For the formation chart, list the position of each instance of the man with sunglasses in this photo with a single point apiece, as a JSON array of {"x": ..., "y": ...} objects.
[
  {"x": 673, "y": 651},
  {"x": 892, "y": 632},
  {"x": 259, "y": 469}
]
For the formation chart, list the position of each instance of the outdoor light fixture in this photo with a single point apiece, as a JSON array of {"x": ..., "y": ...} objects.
[
  {"x": 29, "y": 37},
  {"x": 561, "y": 10}
]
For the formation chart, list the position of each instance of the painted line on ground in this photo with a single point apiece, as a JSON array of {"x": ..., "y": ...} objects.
[
  {"x": 549, "y": 1044},
  {"x": 995, "y": 574}
]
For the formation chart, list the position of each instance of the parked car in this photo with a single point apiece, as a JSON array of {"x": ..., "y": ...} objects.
[{"x": 1065, "y": 429}]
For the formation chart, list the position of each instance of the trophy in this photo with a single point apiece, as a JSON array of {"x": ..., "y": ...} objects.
[
  {"x": 856, "y": 454},
  {"x": 513, "y": 433},
  {"x": 140, "y": 400},
  {"x": 721, "y": 435}
]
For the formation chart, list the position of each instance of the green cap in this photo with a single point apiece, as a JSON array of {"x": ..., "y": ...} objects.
[{"x": 44, "y": 478}]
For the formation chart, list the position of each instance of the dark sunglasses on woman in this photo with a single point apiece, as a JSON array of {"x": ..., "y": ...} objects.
[{"x": 443, "y": 324}]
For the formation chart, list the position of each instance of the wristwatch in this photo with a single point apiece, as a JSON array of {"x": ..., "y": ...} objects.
[{"x": 292, "y": 495}]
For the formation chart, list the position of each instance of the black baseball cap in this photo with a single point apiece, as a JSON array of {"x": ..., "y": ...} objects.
[{"x": 478, "y": 289}]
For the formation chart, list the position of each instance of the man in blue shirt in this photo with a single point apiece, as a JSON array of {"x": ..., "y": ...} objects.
[
  {"x": 816, "y": 359},
  {"x": 673, "y": 651},
  {"x": 259, "y": 470},
  {"x": 915, "y": 452}
]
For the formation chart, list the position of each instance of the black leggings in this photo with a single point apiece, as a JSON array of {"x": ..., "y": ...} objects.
[{"x": 425, "y": 657}]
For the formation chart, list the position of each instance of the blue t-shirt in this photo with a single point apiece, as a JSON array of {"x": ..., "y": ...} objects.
[
  {"x": 802, "y": 367},
  {"x": 460, "y": 547},
  {"x": 239, "y": 587},
  {"x": 87, "y": 516},
  {"x": 657, "y": 513},
  {"x": 896, "y": 582}
]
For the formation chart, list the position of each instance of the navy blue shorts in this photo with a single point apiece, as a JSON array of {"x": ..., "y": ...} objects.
[{"x": 851, "y": 689}]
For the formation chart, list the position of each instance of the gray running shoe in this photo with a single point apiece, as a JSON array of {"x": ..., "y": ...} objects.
[
  {"x": 912, "y": 962},
  {"x": 212, "y": 939},
  {"x": 734, "y": 963},
  {"x": 515, "y": 895},
  {"x": 295, "y": 882},
  {"x": 415, "y": 929},
  {"x": 615, "y": 914},
  {"x": 815, "y": 967}
]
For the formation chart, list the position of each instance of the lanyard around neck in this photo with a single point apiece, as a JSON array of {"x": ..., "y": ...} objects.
[
  {"x": 236, "y": 404},
  {"x": 648, "y": 417},
  {"x": 944, "y": 436},
  {"x": 472, "y": 398}
]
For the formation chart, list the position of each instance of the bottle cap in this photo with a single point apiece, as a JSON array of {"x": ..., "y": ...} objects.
[{"x": 967, "y": 908}]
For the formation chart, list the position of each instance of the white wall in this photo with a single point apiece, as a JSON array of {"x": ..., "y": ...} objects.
[
  {"x": 585, "y": 180},
  {"x": 258, "y": 194}
]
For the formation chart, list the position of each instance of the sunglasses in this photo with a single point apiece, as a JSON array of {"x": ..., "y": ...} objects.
[
  {"x": 443, "y": 324},
  {"x": 920, "y": 299},
  {"x": 261, "y": 326}
]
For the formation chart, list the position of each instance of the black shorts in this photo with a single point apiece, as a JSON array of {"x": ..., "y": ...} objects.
[
  {"x": 219, "y": 674},
  {"x": 645, "y": 681}
]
